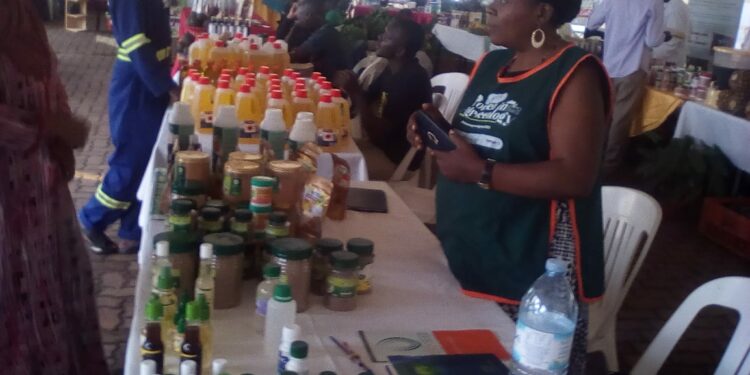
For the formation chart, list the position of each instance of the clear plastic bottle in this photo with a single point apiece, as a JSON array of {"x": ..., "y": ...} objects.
[
  {"x": 273, "y": 132},
  {"x": 204, "y": 284},
  {"x": 289, "y": 334},
  {"x": 159, "y": 261},
  {"x": 191, "y": 349},
  {"x": 188, "y": 86},
  {"x": 282, "y": 310},
  {"x": 303, "y": 131},
  {"x": 168, "y": 300},
  {"x": 148, "y": 367},
  {"x": 152, "y": 343},
  {"x": 298, "y": 360},
  {"x": 262, "y": 78},
  {"x": 239, "y": 79},
  {"x": 264, "y": 293},
  {"x": 344, "y": 114},
  {"x": 546, "y": 324},
  {"x": 206, "y": 332}
]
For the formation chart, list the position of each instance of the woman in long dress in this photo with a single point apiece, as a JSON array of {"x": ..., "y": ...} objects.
[{"x": 48, "y": 317}]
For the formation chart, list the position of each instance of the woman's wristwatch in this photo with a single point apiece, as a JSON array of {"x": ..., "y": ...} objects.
[{"x": 485, "y": 181}]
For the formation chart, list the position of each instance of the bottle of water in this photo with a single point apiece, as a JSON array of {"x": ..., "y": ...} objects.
[{"x": 546, "y": 324}]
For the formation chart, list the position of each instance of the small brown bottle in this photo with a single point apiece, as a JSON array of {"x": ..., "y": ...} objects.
[
  {"x": 191, "y": 349},
  {"x": 153, "y": 346}
]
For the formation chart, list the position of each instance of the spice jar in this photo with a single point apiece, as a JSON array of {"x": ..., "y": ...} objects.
[
  {"x": 241, "y": 224},
  {"x": 183, "y": 254},
  {"x": 321, "y": 264},
  {"x": 261, "y": 191},
  {"x": 290, "y": 179},
  {"x": 210, "y": 220},
  {"x": 180, "y": 215},
  {"x": 192, "y": 190},
  {"x": 293, "y": 256},
  {"x": 228, "y": 270},
  {"x": 365, "y": 249},
  {"x": 342, "y": 282},
  {"x": 220, "y": 205},
  {"x": 277, "y": 226},
  {"x": 237, "y": 176},
  {"x": 192, "y": 166}
]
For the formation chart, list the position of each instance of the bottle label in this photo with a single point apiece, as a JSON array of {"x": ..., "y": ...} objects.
[
  {"x": 541, "y": 350},
  {"x": 342, "y": 287},
  {"x": 365, "y": 279},
  {"x": 179, "y": 222},
  {"x": 249, "y": 129},
  {"x": 207, "y": 120},
  {"x": 179, "y": 178},
  {"x": 283, "y": 360},
  {"x": 232, "y": 185},
  {"x": 261, "y": 306}
]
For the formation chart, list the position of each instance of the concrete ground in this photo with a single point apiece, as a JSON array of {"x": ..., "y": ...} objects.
[{"x": 680, "y": 259}]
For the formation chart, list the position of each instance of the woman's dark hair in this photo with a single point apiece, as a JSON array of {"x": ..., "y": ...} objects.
[
  {"x": 412, "y": 33},
  {"x": 565, "y": 10}
]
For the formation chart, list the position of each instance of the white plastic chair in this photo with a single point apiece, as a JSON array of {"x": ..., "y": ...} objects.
[
  {"x": 418, "y": 192},
  {"x": 730, "y": 292},
  {"x": 631, "y": 219}
]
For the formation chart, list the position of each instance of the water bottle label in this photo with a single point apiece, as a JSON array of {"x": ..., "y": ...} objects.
[
  {"x": 541, "y": 350},
  {"x": 261, "y": 306},
  {"x": 283, "y": 360}
]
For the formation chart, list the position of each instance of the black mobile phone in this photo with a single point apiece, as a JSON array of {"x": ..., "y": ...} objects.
[{"x": 434, "y": 132}]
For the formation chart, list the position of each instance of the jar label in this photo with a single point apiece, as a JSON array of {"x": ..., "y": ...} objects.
[
  {"x": 207, "y": 120},
  {"x": 342, "y": 287},
  {"x": 261, "y": 195},
  {"x": 261, "y": 306},
  {"x": 238, "y": 227},
  {"x": 365, "y": 279},
  {"x": 273, "y": 231},
  {"x": 249, "y": 130},
  {"x": 179, "y": 220},
  {"x": 541, "y": 350},
  {"x": 232, "y": 185},
  {"x": 179, "y": 177}
]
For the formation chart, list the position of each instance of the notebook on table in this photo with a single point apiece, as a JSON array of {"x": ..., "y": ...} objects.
[{"x": 367, "y": 200}]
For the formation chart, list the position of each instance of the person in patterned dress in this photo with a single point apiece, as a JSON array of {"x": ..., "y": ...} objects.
[
  {"x": 522, "y": 184},
  {"x": 48, "y": 316}
]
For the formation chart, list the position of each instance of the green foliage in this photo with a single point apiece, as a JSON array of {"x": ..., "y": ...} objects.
[{"x": 684, "y": 171}]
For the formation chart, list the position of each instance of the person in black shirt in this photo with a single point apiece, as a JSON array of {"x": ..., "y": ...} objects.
[
  {"x": 324, "y": 47},
  {"x": 387, "y": 102}
]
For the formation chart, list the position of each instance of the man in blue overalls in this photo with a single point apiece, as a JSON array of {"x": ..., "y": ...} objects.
[{"x": 139, "y": 94}]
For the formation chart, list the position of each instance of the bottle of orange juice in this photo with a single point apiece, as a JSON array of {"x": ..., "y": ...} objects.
[
  {"x": 325, "y": 88},
  {"x": 344, "y": 115},
  {"x": 326, "y": 118},
  {"x": 301, "y": 103},
  {"x": 315, "y": 90},
  {"x": 277, "y": 101},
  {"x": 249, "y": 114},
  {"x": 260, "y": 96},
  {"x": 202, "y": 107},
  {"x": 188, "y": 87},
  {"x": 239, "y": 80},
  {"x": 310, "y": 82},
  {"x": 280, "y": 58},
  {"x": 218, "y": 58},
  {"x": 224, "y": 95},
  {"x": 262, "y": 77}
]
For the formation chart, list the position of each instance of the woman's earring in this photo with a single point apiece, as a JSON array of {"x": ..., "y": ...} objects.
[{"x": 536, "y": 35}]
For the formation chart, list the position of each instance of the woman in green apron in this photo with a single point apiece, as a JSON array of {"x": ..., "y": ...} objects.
[{"x": 522, "y": 184}]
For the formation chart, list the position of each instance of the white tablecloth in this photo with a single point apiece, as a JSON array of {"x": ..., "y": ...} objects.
[
  {"x": 730, "y": 133},
  {"x": 462, "y": 42},
  {"x": 413, "y": 292}
]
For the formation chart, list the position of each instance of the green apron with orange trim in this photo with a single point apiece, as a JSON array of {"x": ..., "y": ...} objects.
[{"x": 497, "y": 243}]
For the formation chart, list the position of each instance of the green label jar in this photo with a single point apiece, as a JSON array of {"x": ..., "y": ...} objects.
[{"x": 342, "y": 281}]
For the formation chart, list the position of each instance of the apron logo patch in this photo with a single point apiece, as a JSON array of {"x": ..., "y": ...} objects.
[{"x": 494, "y": 109}]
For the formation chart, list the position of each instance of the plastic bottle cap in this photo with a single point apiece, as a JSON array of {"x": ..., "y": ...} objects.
[
  {"x": 299, "y": 80},
  {"x": 250, "y": 81},
  {"x": 328, "y": 245},
  {"x": 220, "y": 43},
  {"x": 165, "y": 280},
  {"x": 203, "y": 36},
  {"x": 289, "y": 72},
  {"x": 271, "y": 270},
  {"x": 195, "y": 76},
  {"x": 273, "y": 76},
  {"x": 265, "y": 70},
  {"x": 223, "y": 84},
  {"x": 188, "y": 367},
  {"x": 298, "y": 350},
  {"x": 326, "y": 98},
  {"x": 305, "y": 116},
  {"x": 326, "y": 85},
  {"x": 243, "y": 215},
  {"x": 271, "y": 38},
  {"x": 148, "y": 366},
  {"x": 300, "y": 86},
  {"x": 301, "y": 93},
  {"x": 336, "y": 93},
  {"x": 277, "y": 218},
  {"x": 192, "y": 312},
  {"x": 207, "y": 251},
  {"x": 290, "y": 333},
  {"x": 282, "y": 293},
  {"x": 224, "y": 76},
  {"x": 315, "y": 75},
  {"x": 204, "y": 81},
  {"x": 297, "y": 75},
  {"x": 239, "y": 36},
  {"x": 162, "y": 249},
  {"x": 556, "y": 265},
  {"x": 291, "y": 248},
  {"x": 242, "y": 71},
  {"x": 218, "y": 364},
  {"x": 275, "y": 82},
  {"x": 277, "y": 94},
  {"x": 210, "y": 213},
  {"x": 360, "y": 246},
  {"x": 253, "y": 47},
  {"x": 276, "y": 45},
  {"x": 321, "y": 79},
  {"x": 246, "y": 88},
  {"x": 344, "y": 260},
  {"x": 154, "y": 308}
]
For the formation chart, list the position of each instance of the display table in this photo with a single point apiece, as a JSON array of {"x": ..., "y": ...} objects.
[
  {"x": 413, "y": 290},
  {"x": 463, "y": 43},
  {"x": 715, "y": 128},
  {"x": 657, "y": 106}
]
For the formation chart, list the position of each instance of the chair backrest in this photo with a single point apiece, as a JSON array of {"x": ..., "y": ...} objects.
[
  {"x": 730, "y": 292},
  {"x": 448, "y": 90},
  {"x": 631, "y": 219}
]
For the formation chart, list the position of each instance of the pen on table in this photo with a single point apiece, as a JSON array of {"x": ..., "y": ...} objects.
[{"x": 352, "y": 355}]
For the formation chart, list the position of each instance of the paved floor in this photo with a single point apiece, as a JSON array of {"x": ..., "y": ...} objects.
[{"x": 679, "y": 261}]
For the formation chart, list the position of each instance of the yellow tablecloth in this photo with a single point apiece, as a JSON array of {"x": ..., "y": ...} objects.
[{"x": 657, "y": 106}]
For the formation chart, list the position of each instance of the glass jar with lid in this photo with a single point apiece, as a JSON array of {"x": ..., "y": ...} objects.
[
  {"x": 228, "y": 270},
  {"x": 195, "y": 191},
  {"x": 210, "y": 221},
  {"x": 290, "y": 180},
  {"x": 321, "y": 263},
  {"x": 277, "y": 226},
  {"x": 248, "y": 156},
  {"x": 180, "y": 215},
  {"x": 365, "y": 249},
  {"x": 237, "y": 177},
  {"x": 220, "y": 205},
  {"x": 261, "y": 191},
  {"x": 342, "y": 281},
  {"x": 183, "y": 254},
  {"x": 241, "y": 224},
  {"x": 293, "y": 256},
  {"x": 192, "y": 166}
]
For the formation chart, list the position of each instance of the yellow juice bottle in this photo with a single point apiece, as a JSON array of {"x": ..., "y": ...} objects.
[
  {"x": 188, "y": 86},
  {"x": 326, "y": 119},
  {"x": 301, "y": 103},
  {"x": 344, "y": 118},
  {"x": 239, "y": 79},
  {"x": 277, "y": 101},
  {"x": 224, "y": 95},
  {"x": 202, "y": 108},
  {"x": 249, "y": 113},
  {"x": 218, "y": 59},
  {"x": 262, "y": 77},
  {"x": 280, "y": 58}
]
